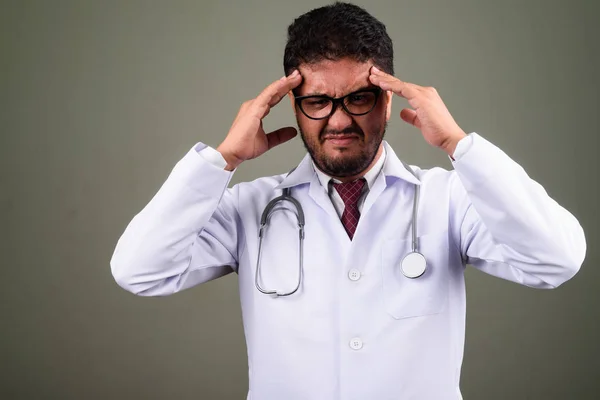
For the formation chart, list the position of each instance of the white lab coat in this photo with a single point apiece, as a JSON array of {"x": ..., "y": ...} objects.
[{"x": 357, "y": 328}]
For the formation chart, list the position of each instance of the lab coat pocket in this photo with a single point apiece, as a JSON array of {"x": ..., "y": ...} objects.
[{"x": 412, "y": 297}]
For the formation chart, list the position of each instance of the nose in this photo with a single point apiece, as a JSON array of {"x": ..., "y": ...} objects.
[{"x": 340, "y": 119}]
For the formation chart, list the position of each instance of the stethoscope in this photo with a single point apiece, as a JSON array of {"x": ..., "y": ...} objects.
[{"x": 413, "y": 264}]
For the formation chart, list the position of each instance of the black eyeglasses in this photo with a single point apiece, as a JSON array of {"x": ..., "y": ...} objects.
[{"x": 360, "y": 102}]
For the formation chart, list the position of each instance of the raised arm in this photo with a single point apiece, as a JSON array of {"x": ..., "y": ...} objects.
[
  {"x": 186, "y": 235},
  {"x": 506, "y": 223},
  {"x": 190, "y": 232}
]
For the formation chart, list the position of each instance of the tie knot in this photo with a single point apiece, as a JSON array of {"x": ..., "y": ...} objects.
[{"x": 350, "y": 191}]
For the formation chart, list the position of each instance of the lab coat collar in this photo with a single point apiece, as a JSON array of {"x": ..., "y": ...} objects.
[
  {"x": 392, "y": 167},
  {"x": 303, "y": 173}
]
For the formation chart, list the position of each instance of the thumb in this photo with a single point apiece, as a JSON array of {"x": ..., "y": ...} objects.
[
  {"x": 410, "y": 116},
  {"x": 281, "y": 135}
]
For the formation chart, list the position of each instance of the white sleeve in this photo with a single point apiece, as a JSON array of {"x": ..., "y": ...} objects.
[
  {"x": 187, "y": 234},
  {"x": 212, "y": 156},
  {"x": 507, "y": 225},
  {"x": 462, "y": 147}
]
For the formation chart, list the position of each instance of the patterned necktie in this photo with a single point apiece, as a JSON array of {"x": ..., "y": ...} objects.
[{"x": 350, "y": 193}]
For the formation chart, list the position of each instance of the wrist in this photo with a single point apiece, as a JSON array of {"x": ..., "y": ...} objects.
[
  {"x": 232, "y": 161},
  {"x": 449, "y": 145}
]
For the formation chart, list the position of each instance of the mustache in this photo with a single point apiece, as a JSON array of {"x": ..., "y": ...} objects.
[{"x": 346, "y": 131}]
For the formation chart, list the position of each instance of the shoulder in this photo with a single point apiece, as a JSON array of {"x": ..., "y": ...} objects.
[
  {"x": 442, "y": 184},
  {"x": 264, "y": 183},
  {"x": 434, "y": 175},
  {"x": 258, "y": 188}
]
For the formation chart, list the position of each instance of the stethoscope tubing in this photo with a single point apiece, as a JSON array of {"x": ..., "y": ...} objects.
[{"x": 286, "y": 196}]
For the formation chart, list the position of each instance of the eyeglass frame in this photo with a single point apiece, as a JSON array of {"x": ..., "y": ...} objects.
[{"x": 339, "y": 100}]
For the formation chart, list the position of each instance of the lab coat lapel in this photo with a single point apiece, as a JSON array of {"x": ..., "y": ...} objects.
[
  {"x": 319, "y": 194},
  {"x": 396, "y": 168},
  {"x": 374, "y": 192},
  {"x": 393, "y": 168},
  {"x": 305, "y": 173}
]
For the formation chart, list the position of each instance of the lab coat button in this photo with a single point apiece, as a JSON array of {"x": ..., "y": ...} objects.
[
  {"x": 356, "y": 344},
  {"x": 354, "y": 274}
]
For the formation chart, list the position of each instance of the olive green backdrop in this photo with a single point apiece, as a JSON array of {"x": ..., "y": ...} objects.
[{"x": 100, "y": 99}]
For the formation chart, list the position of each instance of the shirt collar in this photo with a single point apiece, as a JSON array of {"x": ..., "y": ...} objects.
[{"x": 388, "y": 163}]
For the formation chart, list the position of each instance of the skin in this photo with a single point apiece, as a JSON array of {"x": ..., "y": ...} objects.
[
  {"x": 344, "y": 146},
  {"x": 362, "y": 135}
]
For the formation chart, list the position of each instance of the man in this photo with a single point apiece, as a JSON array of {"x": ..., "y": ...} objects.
[{"x": 336, "y": 311}]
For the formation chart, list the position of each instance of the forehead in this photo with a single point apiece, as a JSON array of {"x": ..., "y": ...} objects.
[{"x": 334, "y": 78}]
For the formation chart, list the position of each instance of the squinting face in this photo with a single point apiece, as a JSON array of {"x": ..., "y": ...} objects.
[{"x": 343, "y": 145}]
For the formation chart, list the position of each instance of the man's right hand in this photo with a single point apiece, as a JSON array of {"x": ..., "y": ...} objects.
[{"x": 246, "y": 138}]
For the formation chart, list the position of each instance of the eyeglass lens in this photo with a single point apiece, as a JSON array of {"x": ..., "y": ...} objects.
[{"x": 355, "y": 103}]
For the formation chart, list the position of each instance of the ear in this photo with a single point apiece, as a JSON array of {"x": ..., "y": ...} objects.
[
  {"x": 388, "y": 108},
  {"x": 292, "y": 100}
]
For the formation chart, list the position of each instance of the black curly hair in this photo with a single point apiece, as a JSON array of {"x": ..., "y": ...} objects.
[{"x": 338, "y": 31}]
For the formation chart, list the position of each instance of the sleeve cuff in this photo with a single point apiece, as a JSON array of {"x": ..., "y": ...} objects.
[
  {"x": 199, "y": 174},
  {"x": 462, "y": 147},
  {"x": 211, "y": 155},
  {"x": 483, "y": 163}
]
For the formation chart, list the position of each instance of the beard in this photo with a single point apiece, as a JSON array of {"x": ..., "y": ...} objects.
[{"x": 344, "y": 165}]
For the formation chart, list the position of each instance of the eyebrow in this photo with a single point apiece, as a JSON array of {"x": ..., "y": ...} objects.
[{"x": 354, "y": 91}]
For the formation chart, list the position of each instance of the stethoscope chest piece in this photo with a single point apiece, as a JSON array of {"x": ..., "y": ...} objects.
[{"x": 413, "y": 265}]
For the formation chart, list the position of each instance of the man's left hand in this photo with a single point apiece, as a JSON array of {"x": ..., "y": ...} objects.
[{"x": 429, "y": 112}]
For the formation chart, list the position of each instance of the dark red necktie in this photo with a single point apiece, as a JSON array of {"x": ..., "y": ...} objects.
[{"x": 350, "y": 193}]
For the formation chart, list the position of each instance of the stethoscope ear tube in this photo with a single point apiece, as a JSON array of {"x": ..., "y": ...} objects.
[
  {"x": 415, "y": 245},
  {"x": 287, "y": 196},
  {"x": 263, "y": 223},
  {"x": 414, "y": 264}
]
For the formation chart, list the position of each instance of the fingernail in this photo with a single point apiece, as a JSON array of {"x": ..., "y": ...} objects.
[
  {"x": 376, "y": 69},
  {"x": 295, "y": 73}
]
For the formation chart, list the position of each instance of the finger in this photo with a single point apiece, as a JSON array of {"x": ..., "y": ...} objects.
[
  {"x": 280, "y": 136},
  {"x": 383, "y": 77},
  {"x": 410, "y": 116},
  {"x": 290, "y": 82},
  {"x": 407, "y": 90},
  {"x": 376, "y": 71},
  {"x": 278, "y": 89}
]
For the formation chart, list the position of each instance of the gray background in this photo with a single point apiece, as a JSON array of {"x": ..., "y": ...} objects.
[{"x": 100, "y": 99}]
